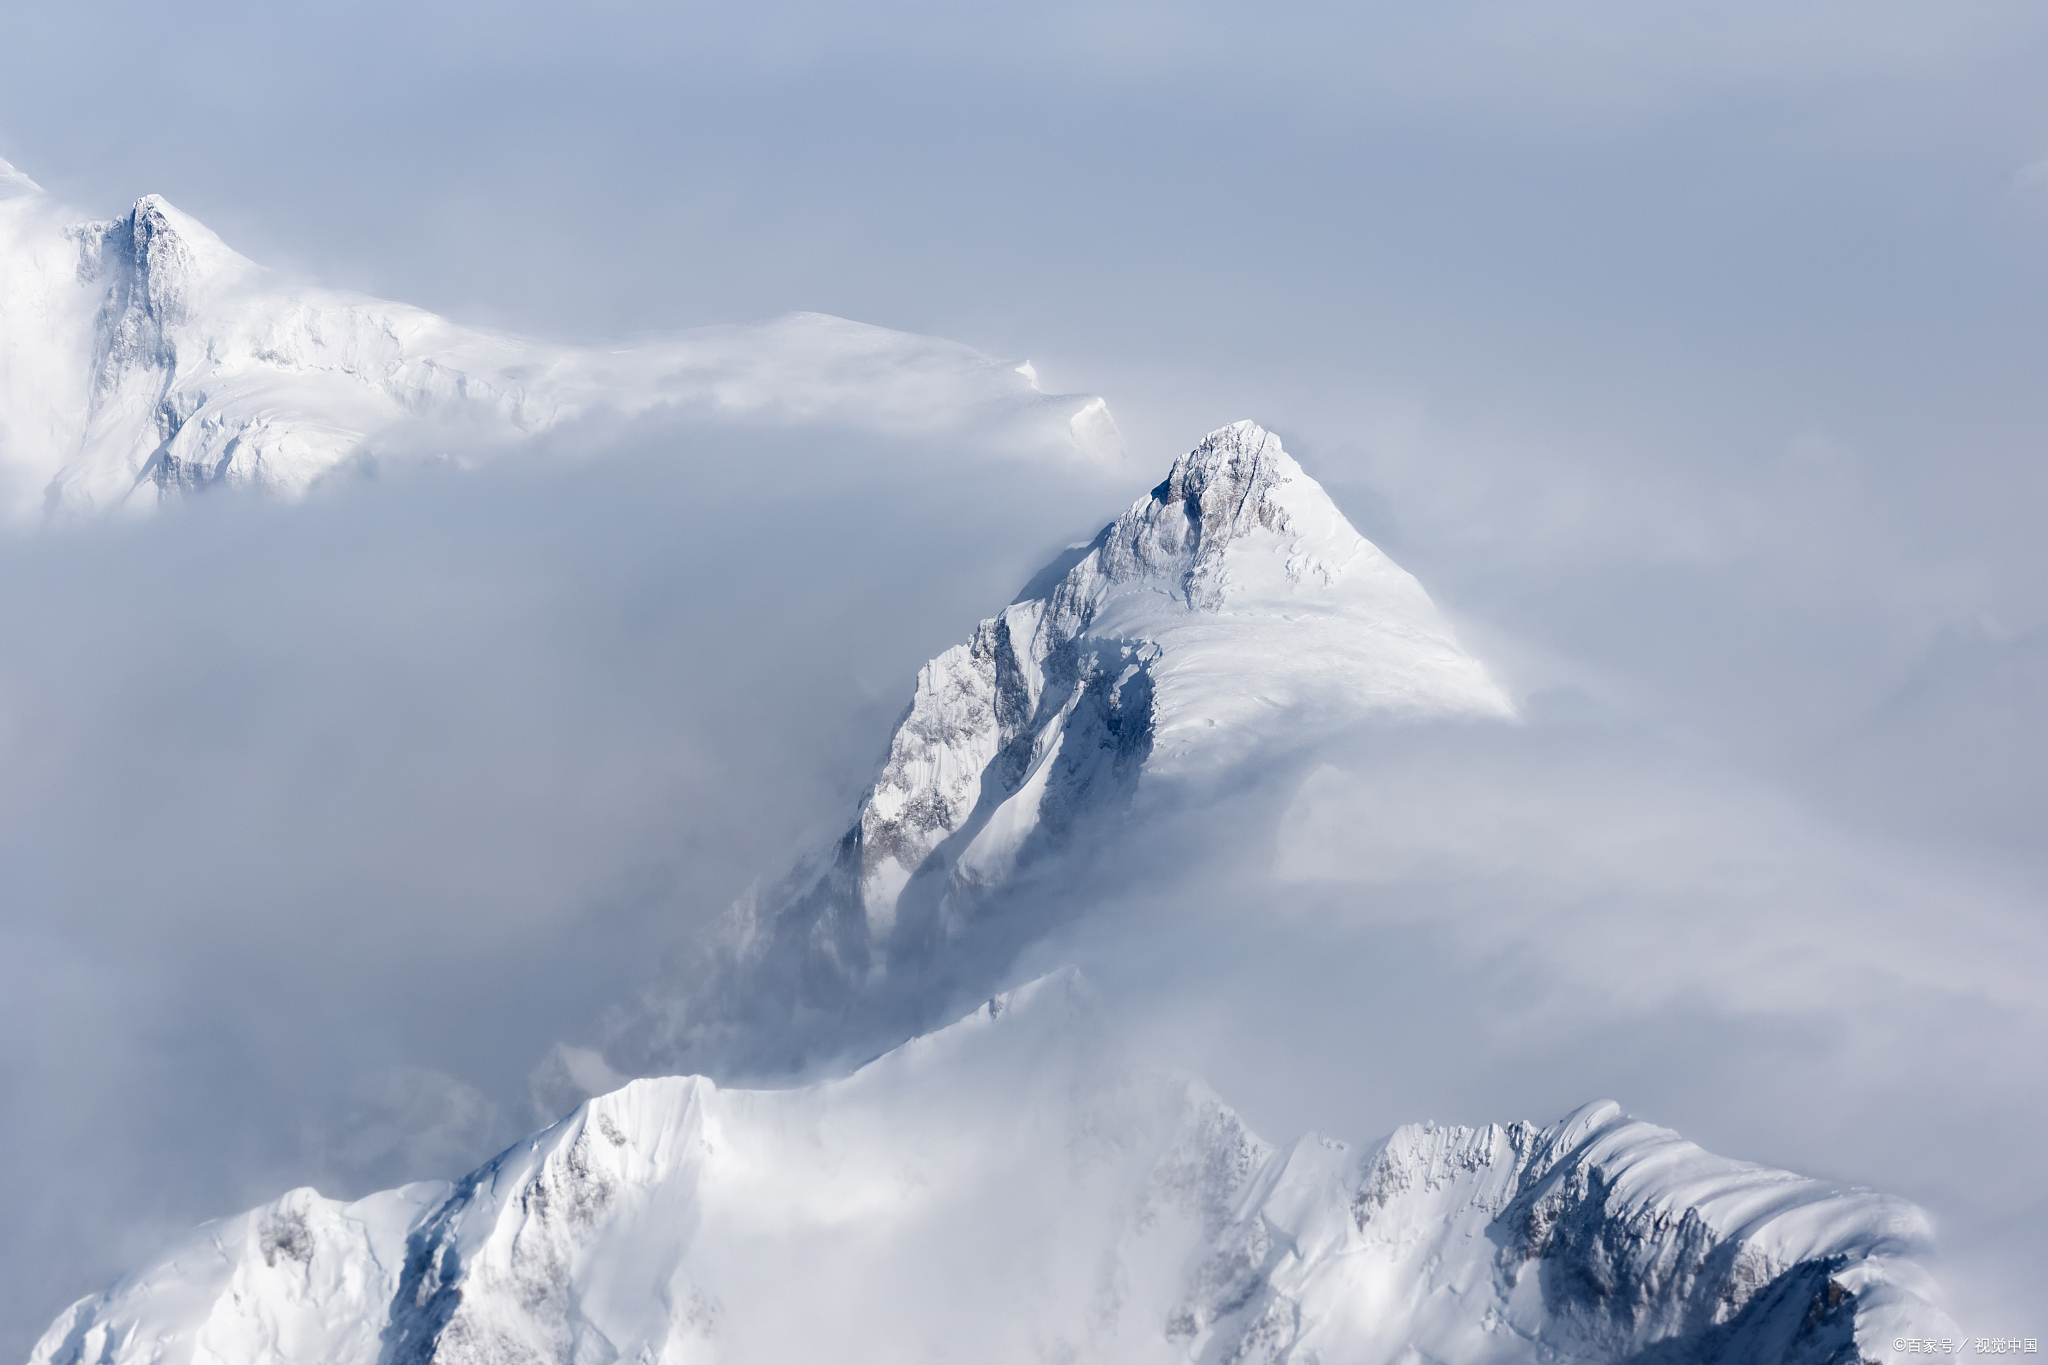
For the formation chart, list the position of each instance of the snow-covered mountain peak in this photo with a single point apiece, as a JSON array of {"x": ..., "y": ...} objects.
[
  {"x": 1316, "y": 622},
  {"x": 1231, "y": 608},
  {"x": 1223, "y": 490},
  {"x": 1231, "y": 614},
  {"x": 157, "y": 259}
]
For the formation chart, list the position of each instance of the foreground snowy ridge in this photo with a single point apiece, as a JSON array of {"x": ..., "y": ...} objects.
[
  {"x": 1231, "y": 613},
  {"x": 999, "y": 1191},
  {"x": 142, "y": 358}
]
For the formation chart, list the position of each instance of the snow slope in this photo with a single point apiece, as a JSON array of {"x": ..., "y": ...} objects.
[
  {"x": 142, "y": 358},
  {"x": 1230, "y": 613},
  {"x": 1003, "y": 1190}
]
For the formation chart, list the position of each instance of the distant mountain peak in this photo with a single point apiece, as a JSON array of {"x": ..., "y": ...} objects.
[{"x": 143, "y": 359}]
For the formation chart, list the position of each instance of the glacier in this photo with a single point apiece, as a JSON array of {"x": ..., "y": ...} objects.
[
  {"x": 1009, "y": 1189},
  {"x": 143, "y": 359},
  {"x": 1229, "y": 617}
]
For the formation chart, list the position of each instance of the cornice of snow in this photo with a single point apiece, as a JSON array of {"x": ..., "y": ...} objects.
[
  {"x": 142, "y": 358},
  {"x": 1005, "y": 1188}
]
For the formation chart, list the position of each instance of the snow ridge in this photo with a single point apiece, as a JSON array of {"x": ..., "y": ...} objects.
[{"x": 1004, "y": 1190}]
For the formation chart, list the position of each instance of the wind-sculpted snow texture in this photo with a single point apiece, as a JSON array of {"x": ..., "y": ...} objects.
[
  {"x": 142, "y": 358},
  {"x": 1002, "y": 1191},
  {"x": 1230, "y": 613}
]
